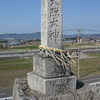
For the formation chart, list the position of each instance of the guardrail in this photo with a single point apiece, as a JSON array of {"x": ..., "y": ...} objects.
[{"x": 94, "y": 83}]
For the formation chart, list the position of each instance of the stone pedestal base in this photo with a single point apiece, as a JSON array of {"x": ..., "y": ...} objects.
[
  {"x": 48, "y": 68},
  {"x": 52, "y": 85},
  {"x": 21, "y": 91}
]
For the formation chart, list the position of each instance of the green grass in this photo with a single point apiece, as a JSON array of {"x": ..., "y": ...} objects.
[
  {"x": 34, "y": 45},
  {"x": 25, "y": 47}
]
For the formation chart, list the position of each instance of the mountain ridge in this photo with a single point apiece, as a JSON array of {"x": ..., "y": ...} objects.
[{"x": 37, "y": 35}]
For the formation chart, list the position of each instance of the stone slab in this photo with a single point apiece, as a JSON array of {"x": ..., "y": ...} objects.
[
  {"x": 51, "y": 23},
  {"x": 47, "y": 67},
  {"x": 49, "y": 86}
]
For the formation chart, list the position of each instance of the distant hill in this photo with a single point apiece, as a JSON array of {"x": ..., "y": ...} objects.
[
  {"x": 84, "y": 35},
  {"x": 22, "y": 36},
  {"x": 37, "y": 35}
]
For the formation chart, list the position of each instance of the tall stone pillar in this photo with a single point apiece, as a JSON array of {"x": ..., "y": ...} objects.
[
  {"x": 47, "y": 77},
  {"x": 51, "y": 23}
]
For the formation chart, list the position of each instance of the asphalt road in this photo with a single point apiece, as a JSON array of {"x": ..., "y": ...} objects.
[
  {"x": 88, "y": 79},
  {"x": 17, "y": 55},
  {"x": 6, "y": 92}
]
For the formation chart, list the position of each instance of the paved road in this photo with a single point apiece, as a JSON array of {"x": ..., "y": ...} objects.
[
  {"x": 89, "y": 79},
  {"x": 6, "y": 92},
  {"x": 17, "y": 55}
]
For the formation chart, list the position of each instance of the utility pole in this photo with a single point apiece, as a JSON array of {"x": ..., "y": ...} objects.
[
  {"x": 8, "y": 47},
  {"x": 78, "y": 52}
]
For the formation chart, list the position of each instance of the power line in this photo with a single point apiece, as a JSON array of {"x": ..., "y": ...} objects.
[
  {"x": 91, "y": 30},
  {"x": 82, "y": 30},
  {"x": 69, "y": 30}
]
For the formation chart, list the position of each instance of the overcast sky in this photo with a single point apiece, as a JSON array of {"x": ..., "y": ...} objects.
[{"x": 23, "y": 16}]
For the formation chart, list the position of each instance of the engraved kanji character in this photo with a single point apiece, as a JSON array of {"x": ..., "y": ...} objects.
[
  {"x": 54, "y": 11},
  {"x": 53, "y": 1},
  {"x": 54, "y": 34},
  {"x": 54, "y": 22}
]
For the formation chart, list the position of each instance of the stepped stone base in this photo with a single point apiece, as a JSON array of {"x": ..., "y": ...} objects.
[
  {"x": 52, "y": 85},
  {"x": 21, "y": 91},
  {"x": 48, "y": 68}
]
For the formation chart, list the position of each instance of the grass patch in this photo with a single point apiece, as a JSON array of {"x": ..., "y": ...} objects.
[
  {"x": 5, "y": 48},
  {"x": 88, "y": 67},
  {"x": 12, "y": 69},
  {"x": 69, "y": 45},
  {"x": 95, "y": 55},
  {"x": 74, "y": 45},
  {"x": 34, "y": 45},
  {"x": 25, "y": 47}
]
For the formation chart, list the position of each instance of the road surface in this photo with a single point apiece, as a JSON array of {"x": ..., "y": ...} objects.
[
  {"x": 88, "y": 79},
  {"x": 6, "y": 92}
]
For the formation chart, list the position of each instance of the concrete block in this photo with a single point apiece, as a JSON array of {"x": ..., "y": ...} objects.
[
  {"x": 48, "y": 86},
  {"x": 47, "y": 68}
]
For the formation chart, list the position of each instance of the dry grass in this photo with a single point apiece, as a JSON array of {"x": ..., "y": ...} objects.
[
  {"x": 12, "y": 69},
  {"x": 7, "y": 77},
  {"x": 88, "y": 67}
]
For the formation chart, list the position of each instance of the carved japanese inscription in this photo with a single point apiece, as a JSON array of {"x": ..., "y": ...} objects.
[{"x": 51, "y": 23}]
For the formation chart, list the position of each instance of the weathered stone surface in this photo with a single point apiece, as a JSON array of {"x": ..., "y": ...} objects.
[
  {"x": 48, "y": 68},
  {"x": 51, "y": 23},
  {"x": 20, "y": 87},
  {"x": 49, "y": 86},
  {"x": 85, "y": 93}
]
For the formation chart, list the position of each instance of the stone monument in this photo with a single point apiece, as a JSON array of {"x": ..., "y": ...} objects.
[
  {"x": 47, "y": 77},
  {"x": 49, "y": 81}
]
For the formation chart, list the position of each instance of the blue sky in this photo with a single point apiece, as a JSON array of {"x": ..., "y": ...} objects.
[{"x": 23, "y": 16}]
